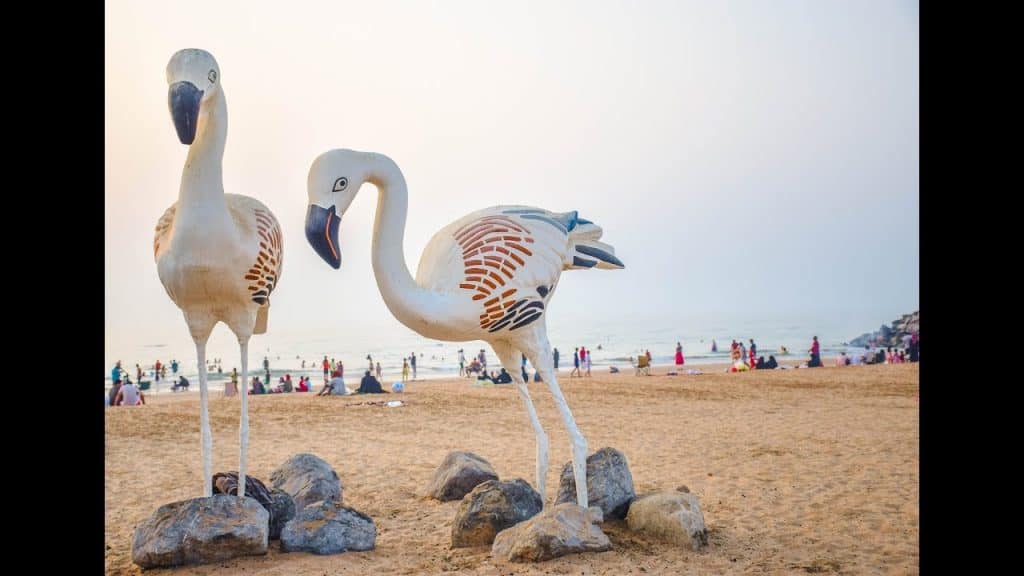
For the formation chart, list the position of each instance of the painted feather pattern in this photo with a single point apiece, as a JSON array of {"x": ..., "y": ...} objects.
[
  {"x": 493, "y": 248},
  {"x": 263, "y": 274}
]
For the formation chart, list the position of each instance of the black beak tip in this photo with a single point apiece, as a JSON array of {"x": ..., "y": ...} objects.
[
  {"x": 322, "y": 234},
  {"x": 183, "y": 98}
]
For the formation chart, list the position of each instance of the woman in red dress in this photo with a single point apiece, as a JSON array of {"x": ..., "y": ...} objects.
[{"x": 679, "y": 355}]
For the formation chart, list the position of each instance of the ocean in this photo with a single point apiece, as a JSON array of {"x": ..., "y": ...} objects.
[{"x": 612, "y": 344}]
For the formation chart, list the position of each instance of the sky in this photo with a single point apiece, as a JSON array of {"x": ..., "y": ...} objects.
[{"x": 747, "y": 160}]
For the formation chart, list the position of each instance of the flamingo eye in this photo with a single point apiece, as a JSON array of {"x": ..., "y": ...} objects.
[{"x": 340, "y": 184}]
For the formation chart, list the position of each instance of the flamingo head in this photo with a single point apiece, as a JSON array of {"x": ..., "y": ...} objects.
[
  {"x": 332, "y": 184},
  {"x": 193, "y": 77}
]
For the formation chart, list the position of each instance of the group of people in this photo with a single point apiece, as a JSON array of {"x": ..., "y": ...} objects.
[
  {"x": 580, "y": 362},
  {"x": 336, "y": 385},
  {"x": 125, "y": 393},
  {"x": 478, "y": 366}
]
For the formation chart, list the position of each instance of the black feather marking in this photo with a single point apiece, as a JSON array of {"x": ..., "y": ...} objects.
[
  {"x": 577, "y": 261},
  {"x": 525, "y": 320},
  {"x": 543, "y": 291},
  {"x": 534, "y": 304}
]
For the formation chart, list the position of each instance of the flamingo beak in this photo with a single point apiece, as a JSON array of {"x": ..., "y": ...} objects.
[
  {"x": 183, "y": 99},
  {"x": 322, "y": 233}
]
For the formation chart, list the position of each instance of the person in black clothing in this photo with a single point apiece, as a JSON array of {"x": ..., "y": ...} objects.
[
  {"x": 182, "y": 384},
  {"x": 772, "y": 364},
  {"x": 503, "y": 378},
  {"x": 761, "y": 364},
  {"x": 369, "y": 385}
]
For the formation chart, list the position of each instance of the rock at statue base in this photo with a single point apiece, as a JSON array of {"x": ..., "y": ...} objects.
[
  {"x": 307, "y": 479},
  {"x": 201, "y": 531},
  {"x": 458, "y": 475},
  {"x": 557, "y": 531},
  {"x": 328, "y": 527},
  {"x": 492, "y": 507},
  {"x": 277, "y": 502},
  {"x": 609, "y": 483},
  {"x": 671, "y": 516},
  {"x": 282, "y": 509}
]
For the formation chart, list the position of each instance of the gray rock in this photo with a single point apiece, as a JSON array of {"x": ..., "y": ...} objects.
[
  {"x": 559, "y": 530},
  {"x": 282, "y": 509},
  {"x": 490, "y": 508},
  {"x": 609, "y": 483},
  {"x": 201, "y": 531},
  {"x": 328, "y": 527},
  {"x": 671, "y": 516},
  {"x": 458, "y": 475},
  {"x": 307, "y": 479}
]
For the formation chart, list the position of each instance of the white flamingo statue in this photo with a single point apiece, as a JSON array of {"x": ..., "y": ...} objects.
[
  {"x": 487, "y": 276},
  {"x": 218, "y": 255}
]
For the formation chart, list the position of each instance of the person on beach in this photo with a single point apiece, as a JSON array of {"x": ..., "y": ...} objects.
[
  {"x": 257, "y": 386},
  {"x": 303, "y": 385},
  {"x": 743, "y": 352},
  {"x": 504, "y": 378},
  {"x": 174, "y": 367},
  {"x": 326, "y": 367},
  {"x": 761, "y": 363},
  {"x": 841, "y": 359},
  {"x": 112, "y": 397},
  {"x": 583, "y": 356},
  {"x": 380, "y": 373},
  {"x": 182, "y": 384},
  {"x": 772, "y": 363},
  {"x": 340, "y": 369},
  {"x": 138, "y": 373},
  {"x": 369, "y": 385},
  {"x": 554, "y": 355},
  {"x": 231, "y": 388},
  {"x": 129, "y": 395},
  {"x": 412, "y": 364},
  {"x": 815, "y": 351},
  {"x": 405, "y": 368},
  {"x": 483, "y": 360},
  {"x": 714, "y": 346},
  {"x": 734, "y": 352},
  {"x": 647, "y": 353},
  {"x": 116, "y": 371},
  {"x": 753, "y": 353},
  {"x": 156, "y": 371},
  {"x": 462, "y": 363},
  {"x": 587, "y": 363},
  {"x": 679, "y": 355},
  {"x": 575, "y": 364}
]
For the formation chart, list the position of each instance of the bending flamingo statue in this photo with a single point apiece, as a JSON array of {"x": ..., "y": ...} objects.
[
  {"x": 487, "y": 276},
  {"x": 218, "y": 255}
]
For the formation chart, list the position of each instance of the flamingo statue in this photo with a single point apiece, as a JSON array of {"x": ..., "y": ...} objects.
[
  {"x": 487, "y": 276},
  {"x": 219, "y": 256}
]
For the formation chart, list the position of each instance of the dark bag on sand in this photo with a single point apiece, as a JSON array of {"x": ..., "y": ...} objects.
[{"x": 227, "y": 483}]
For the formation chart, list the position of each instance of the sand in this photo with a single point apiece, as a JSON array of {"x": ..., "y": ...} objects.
[{"x": 797, "y": 471}]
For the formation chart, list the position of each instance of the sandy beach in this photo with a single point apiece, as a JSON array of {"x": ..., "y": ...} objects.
[{"x": 797, "y": 471}]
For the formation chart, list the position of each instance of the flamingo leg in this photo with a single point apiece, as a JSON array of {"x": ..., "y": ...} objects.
[
  {"x": 509, "y": 358},
  {"x": 243, "y": 422},
  {"x": 204, "y": 421},
  {"x": 540, "y": 357}
]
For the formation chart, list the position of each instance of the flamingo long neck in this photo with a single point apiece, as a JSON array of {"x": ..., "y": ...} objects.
[
  {"x": 201, "y": 196},
  {"x": 410, "y": 303}
]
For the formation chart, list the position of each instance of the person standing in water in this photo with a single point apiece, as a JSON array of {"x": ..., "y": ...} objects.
[
  {"x": 380, "y": 373},
  {"x": 405, "y": 369},
  {"x": 679, "y": 355},
  {"x": 326, "y": 366},
  {"x": 232, "y": 388},
  {"x": 714, "y": 346},
  {"x": 462, "y": 363},
  {"x": 412, "y": 363}
]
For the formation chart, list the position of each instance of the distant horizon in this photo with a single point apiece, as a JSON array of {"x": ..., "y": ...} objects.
[{"x": 752, "y": 164}]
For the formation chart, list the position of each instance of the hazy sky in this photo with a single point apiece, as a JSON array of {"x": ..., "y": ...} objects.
[{"x": 746, "y": 159}]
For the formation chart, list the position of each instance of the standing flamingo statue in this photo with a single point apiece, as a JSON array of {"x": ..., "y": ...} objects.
[
  {"x": 487, "y": 276},
  {"x": 218, "y": 255}
]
